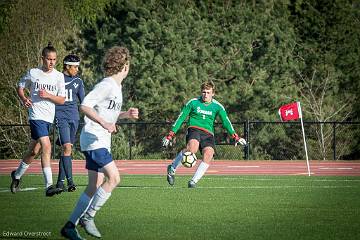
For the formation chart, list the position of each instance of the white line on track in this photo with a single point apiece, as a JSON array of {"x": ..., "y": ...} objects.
[
  {"x": 336, "y": 168},
  {"x": 250, "y": 179},
  {"x": 243, "y": 166}
]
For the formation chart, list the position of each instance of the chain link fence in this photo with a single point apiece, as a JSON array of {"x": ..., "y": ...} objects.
[{"x": 266, "y": 141}]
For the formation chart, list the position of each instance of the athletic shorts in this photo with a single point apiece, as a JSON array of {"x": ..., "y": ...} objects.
[
  {"x": 97, "y": 159},
  {"x": 39, "y": 128},
  {"x": 67, "y": 129},
  {"x": 205, "y": 139}
]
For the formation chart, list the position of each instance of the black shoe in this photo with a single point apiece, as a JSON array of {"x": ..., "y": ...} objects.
[
  {"x": 52, "y": 190},
  {"x": 71, "y": 187},
  {"x": 191, "y": 184},
  {"x": 61, "y": 185},
  {"x": 15, "y": 183},
  {"x": 70, "y": 232},
  {"x": 170, "y": 175}
]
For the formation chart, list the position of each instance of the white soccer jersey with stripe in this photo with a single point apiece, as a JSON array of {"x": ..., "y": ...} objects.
[
  {"x": 36, "y": 79},
  {"x": 106, "y": 100}
]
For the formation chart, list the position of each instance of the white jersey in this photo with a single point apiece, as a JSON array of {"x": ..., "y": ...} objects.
[
  {"x": 36, "y": 79},
  {"x": 106, "y": 100}
]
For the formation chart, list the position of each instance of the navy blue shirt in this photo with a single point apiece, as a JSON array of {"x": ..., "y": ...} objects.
[{"x": 75, "y": 92}]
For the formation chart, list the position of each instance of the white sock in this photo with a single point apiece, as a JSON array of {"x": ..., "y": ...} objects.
[
  {"x": 80, "y": 208},
  {"x": 47, "y": 176},
  {"x": 21, "y": 169},
  {"x": 177, "y": 160},
  {"x": 200, "y": 171},
  {"x": 99, "y": 199}
]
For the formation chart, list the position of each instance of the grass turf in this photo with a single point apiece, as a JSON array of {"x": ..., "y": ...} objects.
[{"x": 222, "y": 207}]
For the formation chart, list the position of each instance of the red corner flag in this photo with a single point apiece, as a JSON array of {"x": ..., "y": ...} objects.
[
  {"x": 293, "y": 111},
  {"x": 290, "y": 111}
]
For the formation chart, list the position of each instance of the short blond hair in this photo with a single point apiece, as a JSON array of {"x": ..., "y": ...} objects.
[
  {"x": 115, "y": 59},
  {"x": 208, "y": 85}
]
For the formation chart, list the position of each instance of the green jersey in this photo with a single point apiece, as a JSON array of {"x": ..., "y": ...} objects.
[{"x": 202, "y": 116}]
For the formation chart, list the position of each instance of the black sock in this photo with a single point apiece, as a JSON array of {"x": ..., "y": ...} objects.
[
  {"x": 67, "y": 161},
  {"x": 61, "y": 176}
]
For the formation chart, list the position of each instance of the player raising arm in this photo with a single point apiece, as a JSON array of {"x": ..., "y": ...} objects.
[
  {"x": 47, "y": 88},
  {"x": 102, "y": 109},
  {"x": 202, "y": 112}
]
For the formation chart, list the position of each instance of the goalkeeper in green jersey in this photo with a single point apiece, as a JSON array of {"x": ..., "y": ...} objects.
[{"x": 202, "y": 112}]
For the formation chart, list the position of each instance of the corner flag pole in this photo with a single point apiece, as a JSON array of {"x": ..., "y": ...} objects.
[{"x": 303, "y": 132}]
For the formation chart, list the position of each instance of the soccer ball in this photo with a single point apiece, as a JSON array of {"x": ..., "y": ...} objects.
[{"x": 189, "y": 159}]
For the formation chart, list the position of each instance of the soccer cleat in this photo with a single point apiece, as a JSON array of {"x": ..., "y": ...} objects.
[
  {"x": 170, "y": 175},
  {"x": 61, "y": 185},
  {"x": 52, "y": 190},
  {"x": 71, "y": 187},
  {"x": 191, "y": 184},
  {"x": 15, "y": 183},
  {"x": 88, "y": 224},
  {"x": 70, "y": 232}
]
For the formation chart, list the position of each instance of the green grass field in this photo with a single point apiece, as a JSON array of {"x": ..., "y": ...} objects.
[{"x": 222, "y": 207}]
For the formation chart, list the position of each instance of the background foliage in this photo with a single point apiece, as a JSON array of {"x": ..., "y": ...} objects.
[{"x": 260, "y": 54}]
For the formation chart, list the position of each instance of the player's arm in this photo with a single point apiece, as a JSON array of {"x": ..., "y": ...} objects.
[
  {"x": 53, "y": 98},
  {"x": 91, "y": 114},
  {"x": 132, "y": 113},
  {"x": 23, "y": 83},
  {"x": 176, "y": 126},
  {"x": 60, "y": 97},
  {"x": 25, "y": 100},
  {"x": 99, "y": 93},
  {"x": 182, "y": 116},
  {"x": 229, "y": 128}
]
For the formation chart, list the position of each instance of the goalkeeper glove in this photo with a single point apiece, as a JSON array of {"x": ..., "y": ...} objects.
[
  {"x": 238, "y": 140},
  {"x": 166, "y": 141}
]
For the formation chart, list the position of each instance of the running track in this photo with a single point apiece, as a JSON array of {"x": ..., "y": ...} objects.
[{"x": 150, "y": 167}]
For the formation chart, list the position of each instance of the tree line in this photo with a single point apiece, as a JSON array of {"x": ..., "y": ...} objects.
[{"x": 260, "y": 54}]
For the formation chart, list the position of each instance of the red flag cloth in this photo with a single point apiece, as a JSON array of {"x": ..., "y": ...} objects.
[{"x": 289, "y": 112}]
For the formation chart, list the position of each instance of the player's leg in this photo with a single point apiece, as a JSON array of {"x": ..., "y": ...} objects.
[
  {"x": 67, "y": 164},
  {"x": 207, "y": 146},
  {"x": 32, "y": 151},
  {"x": 101, "y": 195},
  {"x": 208, "y": 154},
  {"x": 192, "y": 140},
  {"x": 63, "y": 138},
  {"x": 60, "y": 183},
  {"x": 103, "y": 192},
  {"x": 51, "y": 190},
  {"x": 67, "y": 152},
  {"x": 95, "y": 179}
]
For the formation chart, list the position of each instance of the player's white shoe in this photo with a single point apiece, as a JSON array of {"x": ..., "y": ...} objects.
[{"x": 88, "y": 224}]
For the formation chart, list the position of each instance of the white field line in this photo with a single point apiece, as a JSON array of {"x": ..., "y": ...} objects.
[
  {"x": 21, "y": 190},
  {"x": 225, "y": 178},
  {"x": 2, "y": 190},
  {"x": 236, "y": 187}
]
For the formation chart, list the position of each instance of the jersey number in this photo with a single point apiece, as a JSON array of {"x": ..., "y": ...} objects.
[{"x": 69, "y": 96}]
